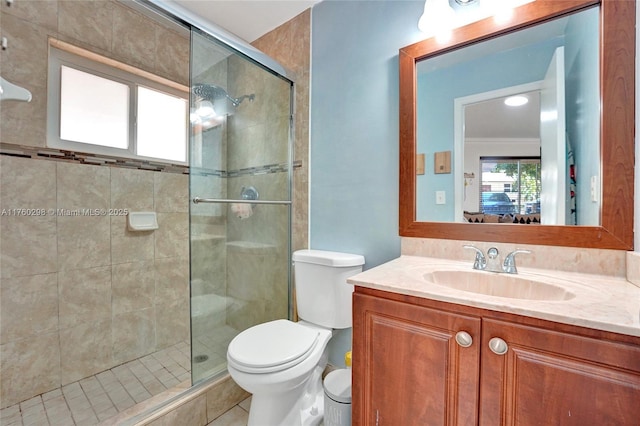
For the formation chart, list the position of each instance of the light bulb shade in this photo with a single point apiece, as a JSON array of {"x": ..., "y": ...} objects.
[
  {"x": 439, "y": 17},
  {"x": 205, "y": 110},
  {"x": 436, "y": 18}
]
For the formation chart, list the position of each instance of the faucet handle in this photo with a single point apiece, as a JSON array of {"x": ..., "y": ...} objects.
[
  {"x": 509, "y": 265},
  {"x": 480, "y": 261},
  {"x": 492, "y": 253}
]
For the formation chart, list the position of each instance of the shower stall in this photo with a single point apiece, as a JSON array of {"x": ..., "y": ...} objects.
[
  {"x": 99, "y": 322},
  {"x": 240, "y": 192}
]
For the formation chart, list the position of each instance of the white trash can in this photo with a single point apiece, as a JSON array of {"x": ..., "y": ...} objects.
[{"x": 337, "y": 398}]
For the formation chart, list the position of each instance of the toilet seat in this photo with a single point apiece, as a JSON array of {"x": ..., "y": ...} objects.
[{"x": 272, "y": 346}]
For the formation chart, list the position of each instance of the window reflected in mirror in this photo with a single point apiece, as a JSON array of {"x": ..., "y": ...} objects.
[{"x": 507, "y": 191}]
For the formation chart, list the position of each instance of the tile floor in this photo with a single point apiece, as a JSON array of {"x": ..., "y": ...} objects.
[
  {"x": 237, "y": 416},
  {"x": 214, "y": 346},
  {"x": 96, "y": 398}
]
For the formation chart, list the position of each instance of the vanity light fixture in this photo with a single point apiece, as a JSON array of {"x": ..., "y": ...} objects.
[
  {"x": 516, "y": 101},
  {"x": 439, "y": 17}
]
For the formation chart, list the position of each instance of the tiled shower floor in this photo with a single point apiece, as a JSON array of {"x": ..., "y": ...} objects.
[{"x": 96, "y": 398}]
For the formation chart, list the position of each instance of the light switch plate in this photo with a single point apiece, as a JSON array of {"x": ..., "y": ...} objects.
[{"x": 441, "y": 197}]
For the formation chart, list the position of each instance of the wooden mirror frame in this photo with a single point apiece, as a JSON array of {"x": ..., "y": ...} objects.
[{"x": 617, "y": 95}]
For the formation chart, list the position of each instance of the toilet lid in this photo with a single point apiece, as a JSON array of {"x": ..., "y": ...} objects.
[{"x": 272, "y": 346}]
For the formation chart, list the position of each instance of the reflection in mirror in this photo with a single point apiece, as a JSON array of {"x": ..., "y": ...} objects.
[
  {"x": 553, "y": 69},
  {"x": 501, "y": 148},
  {"x": 434, "y": 209}
]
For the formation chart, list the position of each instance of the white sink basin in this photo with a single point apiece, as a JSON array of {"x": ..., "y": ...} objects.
[{"x": 501, "y": 285}]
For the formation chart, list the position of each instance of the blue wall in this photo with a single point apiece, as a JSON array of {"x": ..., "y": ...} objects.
[{"x": 354, "y": 124}]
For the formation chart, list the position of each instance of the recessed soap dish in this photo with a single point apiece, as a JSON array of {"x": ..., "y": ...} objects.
[{"x": 142, "y": 221}]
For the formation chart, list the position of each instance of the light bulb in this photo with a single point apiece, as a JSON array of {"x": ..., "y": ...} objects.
[
  {"x": 193, "y": 116},
  {"x": 205, "y": 110},
  {"x": 437, "y": 18}
]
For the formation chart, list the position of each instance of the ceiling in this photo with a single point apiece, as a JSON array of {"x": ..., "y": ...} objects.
[
  {"x": 492, "y": 119},
  {"x": 247, "y": 19}
]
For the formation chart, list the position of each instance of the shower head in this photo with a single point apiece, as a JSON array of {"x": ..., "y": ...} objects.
[{"x": 211, "y": 92}]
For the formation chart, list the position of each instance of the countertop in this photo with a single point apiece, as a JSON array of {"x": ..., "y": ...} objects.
[{"x": 601, "y": 302}]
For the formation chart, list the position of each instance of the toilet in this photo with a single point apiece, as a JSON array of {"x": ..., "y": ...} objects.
[{"x": 281, "y": 362}]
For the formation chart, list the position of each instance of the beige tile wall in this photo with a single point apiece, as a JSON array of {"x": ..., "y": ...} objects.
[
  {"x": 97, "y": 294},
  {"x": 106, "y": 27},
  {"x": 290, "y": 44},
  {"x": 81, "y": 294}
]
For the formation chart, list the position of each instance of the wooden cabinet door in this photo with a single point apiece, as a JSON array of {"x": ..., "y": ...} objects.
[
  {"x": 408, "y": 368},
  {"x": 554, "y": 378}
]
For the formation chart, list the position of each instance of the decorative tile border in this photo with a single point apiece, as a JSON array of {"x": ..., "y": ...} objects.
[
  {"x": 260, "y": 170},
  {"x": 110, "y": 161},
  {"x": 85, "y": 158}
]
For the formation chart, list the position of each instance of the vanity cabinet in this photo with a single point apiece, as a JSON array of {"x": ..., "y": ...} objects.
[
  {"x": 556, "y": 378},
  {"x": 410, "y": 369}
]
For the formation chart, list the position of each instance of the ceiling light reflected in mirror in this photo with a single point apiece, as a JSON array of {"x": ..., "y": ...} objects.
[{"x": 516, "y": 101}]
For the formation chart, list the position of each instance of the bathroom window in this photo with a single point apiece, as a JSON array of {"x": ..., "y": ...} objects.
[
  {"x": 93, "y": 110},
  {"x": 100, "y": 106}
]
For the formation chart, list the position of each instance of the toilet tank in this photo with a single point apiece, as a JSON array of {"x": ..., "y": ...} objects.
[{"x": 323, "y": 296}]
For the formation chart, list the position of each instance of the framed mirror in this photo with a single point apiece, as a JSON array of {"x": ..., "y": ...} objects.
[{"x": 446, "y": 89}]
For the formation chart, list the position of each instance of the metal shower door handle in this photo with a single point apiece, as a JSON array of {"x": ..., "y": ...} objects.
[{"x": 198, "y": 200}]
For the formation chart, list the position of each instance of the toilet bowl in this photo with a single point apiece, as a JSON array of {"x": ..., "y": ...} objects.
[{"x": 281, "y": 362}]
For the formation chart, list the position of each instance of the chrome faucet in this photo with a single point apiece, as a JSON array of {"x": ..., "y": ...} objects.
[
  {"x": 509, "y": 265},
  {"x": 491, "y": 262},
  {"x": 480, "y": 262}
]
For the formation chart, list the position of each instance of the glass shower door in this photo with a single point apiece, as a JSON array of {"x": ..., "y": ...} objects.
[{"x": 240, "y": 191}]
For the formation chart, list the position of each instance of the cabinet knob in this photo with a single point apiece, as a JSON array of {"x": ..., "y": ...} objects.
[
  {"x": 498, "y": 346},
  {"x": 464, "y": 339}
]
